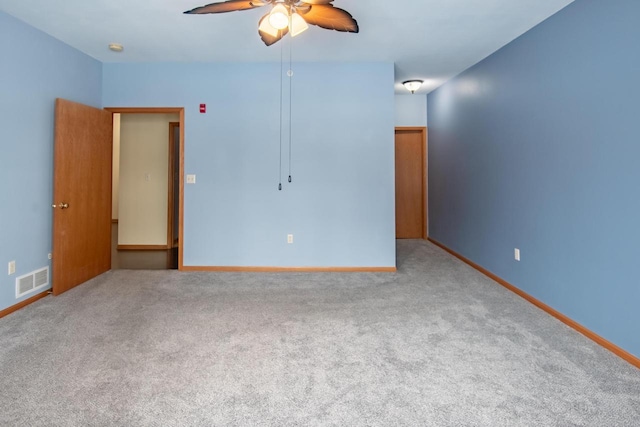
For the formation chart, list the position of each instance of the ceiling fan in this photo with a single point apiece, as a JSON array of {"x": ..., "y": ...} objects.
[{"x": 288, "y": 16}]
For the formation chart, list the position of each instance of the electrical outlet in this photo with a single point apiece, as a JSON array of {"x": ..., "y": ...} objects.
[
  {"x": 516, "y": 254},
  {"x": 12, "y": 267},
  {"x": 289, "y": 238},
  {"x": 49, "y": 255},
  {"x": 191, "y": 179}
]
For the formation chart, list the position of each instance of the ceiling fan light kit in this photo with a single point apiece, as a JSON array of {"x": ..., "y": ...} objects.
[
  {"x": 266, "y": 27},
  {"x": 413, "y": 85},
  {"x": 279, "y": 17},
  {"x": 298, "y": 25}
]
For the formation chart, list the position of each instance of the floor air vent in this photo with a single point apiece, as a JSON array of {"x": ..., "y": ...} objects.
[{"x": 32, "y": 282}]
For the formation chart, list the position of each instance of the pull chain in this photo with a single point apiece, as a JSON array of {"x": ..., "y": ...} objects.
[
  {"x": 280, "y": 157},
  {"x": 290, "y": 74}
]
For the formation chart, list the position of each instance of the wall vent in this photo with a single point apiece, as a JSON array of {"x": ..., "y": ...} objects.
[{"x": 32, "y": 282}]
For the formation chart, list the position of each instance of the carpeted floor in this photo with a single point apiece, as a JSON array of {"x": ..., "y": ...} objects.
[{"x": 436, "y": 344}]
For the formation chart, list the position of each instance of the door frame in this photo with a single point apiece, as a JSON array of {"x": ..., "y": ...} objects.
[
  {"x": 166, "y": 110},
  {"x": 170, "y": 185},
  {"x": 425, "y": 172}
]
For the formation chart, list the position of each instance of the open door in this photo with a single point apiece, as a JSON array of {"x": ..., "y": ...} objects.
[{"x": 82, "y": 194}]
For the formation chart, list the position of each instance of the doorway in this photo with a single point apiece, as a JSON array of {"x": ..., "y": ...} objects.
[
  {"x": 146, "y": 225},
  {"x": 83, "y": 167},
  {"x": 411, "y": 182}
]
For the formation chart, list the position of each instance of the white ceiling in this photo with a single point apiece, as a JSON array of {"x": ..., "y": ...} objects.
[{"x": 431, "y": 40}]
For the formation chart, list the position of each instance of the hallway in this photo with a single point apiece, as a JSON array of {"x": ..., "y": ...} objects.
[{"x": 141, "y": 260}]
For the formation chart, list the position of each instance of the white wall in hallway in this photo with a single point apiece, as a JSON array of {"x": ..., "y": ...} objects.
[
  {"x": 143, "y": 186},
  {"x": 115, "y": 177}
]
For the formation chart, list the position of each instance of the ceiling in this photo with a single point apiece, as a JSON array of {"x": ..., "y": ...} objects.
[{"x": 432, "y": 40}]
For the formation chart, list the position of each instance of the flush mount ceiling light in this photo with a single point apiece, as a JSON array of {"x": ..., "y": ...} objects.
[
  {"x": 288, "y": 16},
  {"x": 413, "y": 85},
  {"x": 116, "y": 47}
]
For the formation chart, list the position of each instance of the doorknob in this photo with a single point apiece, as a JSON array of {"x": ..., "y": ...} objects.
[{"x": 61, "y": 206}]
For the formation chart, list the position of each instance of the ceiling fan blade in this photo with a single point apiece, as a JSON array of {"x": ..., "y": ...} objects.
[
  {"x": 317, "y": 1},
  {"x": 226, "y": 6},
  {"x": 267, "y": 38},
  {"x": 331, "y": 18}
]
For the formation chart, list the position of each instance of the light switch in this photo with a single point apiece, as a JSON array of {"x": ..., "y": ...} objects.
[{"x": 191, "y": 179}]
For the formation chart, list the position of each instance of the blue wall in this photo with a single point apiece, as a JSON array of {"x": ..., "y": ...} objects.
[
  {"x": 340, "y": 206},
  {"x": 34, "y": 70},
  {"x": 411, "y": 110},
  {"x": 537, "y": 147}
]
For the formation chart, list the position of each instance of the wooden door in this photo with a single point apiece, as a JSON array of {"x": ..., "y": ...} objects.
[
  {"x": 82, "y": 194},
  {"x": 411, "y": 183}
]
